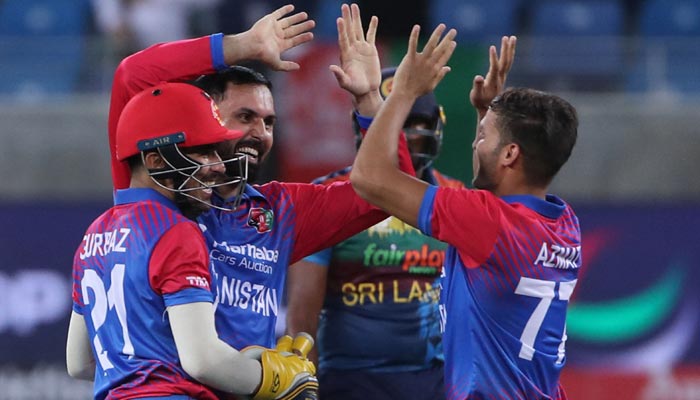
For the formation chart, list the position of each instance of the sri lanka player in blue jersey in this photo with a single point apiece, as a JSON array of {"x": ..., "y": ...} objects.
[
  {"x": 143, "y": 324},
  {"x": 276, "y": 223},
  {"x": 514, "y": 252}
]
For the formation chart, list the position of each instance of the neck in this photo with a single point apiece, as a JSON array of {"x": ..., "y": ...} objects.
[
  {"x": 228, "y": 191},
  {"x": 144, "y": 181},
  {"x": 520, "y": 188}
]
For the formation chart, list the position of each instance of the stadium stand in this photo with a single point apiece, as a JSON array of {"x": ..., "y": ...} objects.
[
  {"x": 576, "y": 43},
  {"x": 477, "y": 21},
  {"x": 42, "y": 43},
  {"x": 667, "y": 52}
]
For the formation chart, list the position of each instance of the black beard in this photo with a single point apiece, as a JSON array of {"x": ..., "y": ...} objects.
[
  {"x": 253, "y": 170},
  {"x": 188, "y": 207},
  {"x": 233, "y": 169}
]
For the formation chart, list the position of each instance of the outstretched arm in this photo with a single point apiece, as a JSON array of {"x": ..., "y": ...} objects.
[
  {"x": 207, "y": 358},
  {"x": 375, "y": 175},
  {"x": 185, "y": 60}
]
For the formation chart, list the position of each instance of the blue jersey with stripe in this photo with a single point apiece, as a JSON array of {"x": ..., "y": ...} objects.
[
  {"x": 510, "y": 271},
  {"x": 250, "y": 248},
  {"x": 124, "y": 303}
]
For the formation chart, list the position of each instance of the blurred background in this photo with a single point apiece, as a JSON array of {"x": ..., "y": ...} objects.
[{"x": 629, "y": 66}]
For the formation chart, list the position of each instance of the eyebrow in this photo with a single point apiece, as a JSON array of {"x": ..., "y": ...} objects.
[{"x": 255, "y": 113}]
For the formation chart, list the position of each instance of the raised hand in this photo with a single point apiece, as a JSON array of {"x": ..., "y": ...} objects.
[
  {"x": 420, "y": 72},
  {"x": 359, "y": 71},
  {"x": 269, "y": 37},
  {"x": 485, "y": 89}
]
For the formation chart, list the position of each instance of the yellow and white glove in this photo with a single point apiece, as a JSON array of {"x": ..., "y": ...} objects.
[{"x": 287, "y": 373}]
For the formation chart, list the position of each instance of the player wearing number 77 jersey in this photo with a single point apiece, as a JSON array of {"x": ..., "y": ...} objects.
[{"x": 514, "y": 250}]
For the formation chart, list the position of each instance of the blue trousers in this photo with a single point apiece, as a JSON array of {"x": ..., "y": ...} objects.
[{"x": 427, "y": 384}]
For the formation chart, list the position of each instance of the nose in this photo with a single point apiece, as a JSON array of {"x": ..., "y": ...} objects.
[
  {"x": 217, "y": 164},
  {"x": 258, "y": 130}
]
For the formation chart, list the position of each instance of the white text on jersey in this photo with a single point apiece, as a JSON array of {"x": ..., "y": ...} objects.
[
  {"x": 561, "y": 257},
  {"x": 246, "y": 295},
  {"x": 103, "y": 243},
  {"x": 250, "y": 250},
  {"x": 199, "y": 281},
  {"x": 243, "y": 262}
]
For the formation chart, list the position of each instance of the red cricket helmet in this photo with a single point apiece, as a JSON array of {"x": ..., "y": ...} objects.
[{"x": 170, "y": 113}]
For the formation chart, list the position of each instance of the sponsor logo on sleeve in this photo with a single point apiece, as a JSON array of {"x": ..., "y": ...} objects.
[{"x": 198, "y": 281}]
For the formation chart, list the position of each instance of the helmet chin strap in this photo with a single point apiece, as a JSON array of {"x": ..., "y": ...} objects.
[{"x": 421, "y": 164}]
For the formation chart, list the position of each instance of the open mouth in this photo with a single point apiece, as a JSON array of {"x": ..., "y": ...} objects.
[
  {"x": 207, "y": 189},
  {"x": 249, "y": 152}
]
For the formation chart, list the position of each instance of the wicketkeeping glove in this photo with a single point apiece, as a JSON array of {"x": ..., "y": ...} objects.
[{"x": 287, "y": 373}]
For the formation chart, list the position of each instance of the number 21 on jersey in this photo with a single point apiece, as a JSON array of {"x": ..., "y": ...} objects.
[{"x": 104, "y": 301}]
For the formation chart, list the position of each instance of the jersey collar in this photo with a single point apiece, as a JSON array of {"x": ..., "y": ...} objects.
[
  {"x": 248, "y": 193},
  {"x": 551, "y": 207},
  {"x": 126, "y": 196}
]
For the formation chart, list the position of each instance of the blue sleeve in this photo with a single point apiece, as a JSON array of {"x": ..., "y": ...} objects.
[
  {"x": 186, "y": 296},
  {"x": 217, "y": 51},
  {"x": 362, "y": 121},
  {"x": 322, "y": 257},
  {"x": 426, "y": 210}
]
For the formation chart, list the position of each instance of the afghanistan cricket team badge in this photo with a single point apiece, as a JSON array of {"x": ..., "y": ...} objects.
[{"x": 261, "y": 219}]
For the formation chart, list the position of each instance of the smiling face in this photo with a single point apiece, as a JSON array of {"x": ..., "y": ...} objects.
[
  {"x": 248, "y": 108},
  {"x": 199, "y": 186}
]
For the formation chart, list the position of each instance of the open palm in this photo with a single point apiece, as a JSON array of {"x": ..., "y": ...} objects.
[
  {"x": 275, "y": 33},
  {"x": 359, "y": 72},
  {"x": 485, "y": 89}
]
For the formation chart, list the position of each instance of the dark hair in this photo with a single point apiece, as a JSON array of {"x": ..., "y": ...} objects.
[
  {"x": 542, "y": 124},
  {"x": 215, "y": 84},
  {"x": 135, "y": 162}
]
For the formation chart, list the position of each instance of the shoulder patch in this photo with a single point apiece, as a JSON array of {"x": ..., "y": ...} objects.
[{"x": 261, "y": 219}]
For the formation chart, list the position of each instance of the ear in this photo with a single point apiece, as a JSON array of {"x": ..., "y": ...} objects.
[
  {"x": 510, "y": 154},
  {"x": 153, "y": 160}
]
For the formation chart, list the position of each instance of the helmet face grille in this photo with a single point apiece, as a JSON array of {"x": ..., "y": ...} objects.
[
  {"x": 183, "y": 171},
  {"x": 427, "y": 113}
]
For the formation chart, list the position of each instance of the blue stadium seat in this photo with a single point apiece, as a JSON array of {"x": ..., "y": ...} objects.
[
  {"x": 577, "y": 39},
  {"x": 668, "y": 55},
  {"x": 42, "y": 45},
  {"x": 477, "y": 21},
  {"x": 670, "y": 18}
]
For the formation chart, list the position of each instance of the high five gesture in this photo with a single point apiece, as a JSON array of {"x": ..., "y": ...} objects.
[
  {"x": 375, "y": 175},
  {"x": 420, "y": 72}
]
